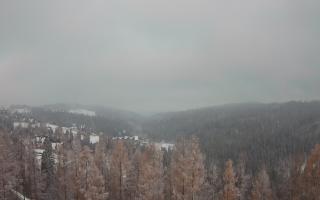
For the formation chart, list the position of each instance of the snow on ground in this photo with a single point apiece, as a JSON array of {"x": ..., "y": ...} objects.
[{"x": 83, "y": 112}]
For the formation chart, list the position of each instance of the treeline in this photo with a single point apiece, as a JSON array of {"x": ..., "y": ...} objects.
[{"x": 120, "y": 170}]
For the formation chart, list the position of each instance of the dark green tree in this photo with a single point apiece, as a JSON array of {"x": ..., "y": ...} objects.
[{"x": 47, "y": 170}]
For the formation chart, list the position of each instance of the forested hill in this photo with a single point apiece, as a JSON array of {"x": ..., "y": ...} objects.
[
  {"x": 96, "y": 118},
  {"x": 265, "y": 133}
]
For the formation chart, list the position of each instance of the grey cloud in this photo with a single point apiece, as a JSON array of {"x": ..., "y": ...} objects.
[{"x": 158, "y": 55}]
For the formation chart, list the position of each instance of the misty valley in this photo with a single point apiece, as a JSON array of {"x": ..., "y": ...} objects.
[
  {"x": 234, "y": 151},
  {"x": 159, "y": 100}
]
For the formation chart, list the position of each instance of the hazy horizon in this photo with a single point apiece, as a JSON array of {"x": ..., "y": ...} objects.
[
  {"x": 152, "y": 112},
  {"x": 158, "y": 56}
]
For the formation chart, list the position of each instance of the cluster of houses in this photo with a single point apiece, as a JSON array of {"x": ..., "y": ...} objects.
[
  {"x": 134, "y": 138},
  {"x": 144, "y": 142},
  {"x": 20, "y": 121},
  {"x": 26, "y": 123},
  {"x": 164, "y": 146}
]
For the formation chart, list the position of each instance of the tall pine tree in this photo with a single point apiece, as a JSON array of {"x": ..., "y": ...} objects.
[
  {"x": 48, "y": 170},
  {"x": 261, "y": 187},
  {"x": 230, "y": 191},
  {"x": 187, "y": 169},
  {"x": 119, "y": 170}
]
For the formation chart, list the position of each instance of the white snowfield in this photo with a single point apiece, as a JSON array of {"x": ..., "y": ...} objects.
[{"x": 83, "y": 112}]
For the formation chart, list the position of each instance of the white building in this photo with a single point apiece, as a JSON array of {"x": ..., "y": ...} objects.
[
  {"x": 135, "y": 138},
  {"x": 93, "y": 138},
  {"x": 40, "y": 139},
  {"x": 20, "y": 125},
  {"x": 36, "y": 125},
  {"x": 56, "y": 145},
  {"x": 52, "y": 127},
  {"x": 164, "y": 146},
  {"x": 73, "y": 130},
  {"x": 65, "y": 130},
  {"x": 38, "y": 155}
]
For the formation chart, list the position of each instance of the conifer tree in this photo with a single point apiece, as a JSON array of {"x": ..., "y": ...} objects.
[
  {"x": 95, "y": 190},
  {"x": 47, "y": 170},
  {"x": 150, "y": 182},
  {"x": 119, "y": 170},
  {"x": 179, "y": 172},
  {"x": 91, "y": 180},
  {"x": 134, "y": 176},
  {"x": 212, "y": 184},
  {"x": 307, "y": 177},
  {"x": 187, "y": 169},
  {"x": 196, "y": 167},
  {"x": 8, "y": 167},
  {"x": 84, "y": 168},
  {"x": 230, "y": 191},
  {"x": 75, "y": 166},
  {"x": 64, "y": 173},
  {"x": 36, "y": 180},
  {"x": 261, "y": 187},
  {"x": 243, "y": 179},
  {"x": 101, "y": 160}
]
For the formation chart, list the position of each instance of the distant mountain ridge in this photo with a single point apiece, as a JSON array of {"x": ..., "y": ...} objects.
[
  {"x": 96, "y": 118},
  {"x": 263, "y": 132},
  {"x": 99, "y": 110}
]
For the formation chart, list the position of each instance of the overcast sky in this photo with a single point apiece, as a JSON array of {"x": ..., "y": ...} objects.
[{"x": 158, "y": 55}]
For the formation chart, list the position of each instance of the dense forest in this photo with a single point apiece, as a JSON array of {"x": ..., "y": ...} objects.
[
  {"x": 238, "y": 151},
  {"x": 119, "y": 170},
  {"x": 265, "y": 133}
]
